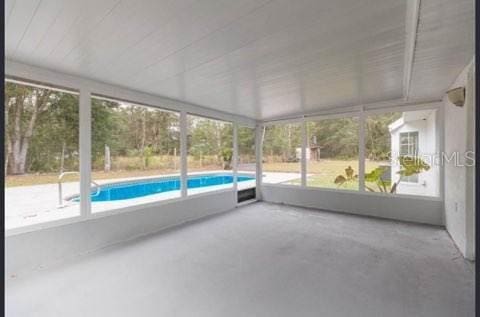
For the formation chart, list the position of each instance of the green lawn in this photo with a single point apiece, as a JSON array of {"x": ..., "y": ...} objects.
[{"x": 323, "y": 172}]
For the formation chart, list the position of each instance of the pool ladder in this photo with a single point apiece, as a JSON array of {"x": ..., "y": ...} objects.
[{"x": 60, "y": 191}]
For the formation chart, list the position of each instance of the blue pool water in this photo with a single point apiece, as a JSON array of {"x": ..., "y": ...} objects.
[{"x": 140, "y": 188}]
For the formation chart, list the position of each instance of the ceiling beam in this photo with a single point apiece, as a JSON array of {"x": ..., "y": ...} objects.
[
  {"x": 392, "y": 105},
  {"x": 411, "y": 27}
]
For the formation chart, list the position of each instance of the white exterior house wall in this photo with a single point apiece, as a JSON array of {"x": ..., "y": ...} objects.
[{"x": 428, "y": 182}]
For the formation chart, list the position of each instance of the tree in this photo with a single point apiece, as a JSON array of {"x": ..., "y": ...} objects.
[
  {"x": 280, "y": 141},
  {"x": 24, "y": 105},
  {"x": 378, "y": 139},
  {"x": 338, "y": 138},
  {"x": 246, "y": 145},
  {"x": 108, "y": 129},
  {"x": 56, "y": 136}
]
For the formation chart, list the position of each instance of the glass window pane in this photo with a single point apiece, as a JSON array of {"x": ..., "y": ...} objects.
[
  {"x": 404, "y": 138},
  {"x": 391, "y": 137},
  {"x": 41, "y": 143},
  {"x": 282, "y": 151},
  {"x": 414, "y": 142},
  {"x": 210, "y": 151},
  {"x": 332, "y": 153},
  {"x": 135, "y": 154}
]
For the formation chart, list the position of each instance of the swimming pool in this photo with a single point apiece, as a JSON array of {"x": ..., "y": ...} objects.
[{"x": 145, "y": 187}]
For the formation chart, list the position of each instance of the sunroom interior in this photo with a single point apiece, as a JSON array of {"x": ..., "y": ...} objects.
[{"x": 253, "y": 157}]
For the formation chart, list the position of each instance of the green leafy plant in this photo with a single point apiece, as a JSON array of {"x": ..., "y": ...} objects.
[
  {"x": 409, "y": 166},
  {"x": 348, "y": 177},
  {"x": 376, "y": 176}
]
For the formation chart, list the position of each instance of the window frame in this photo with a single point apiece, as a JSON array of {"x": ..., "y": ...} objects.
[
  {"x": 86, "y": 89},
  {"x": 413, "y": 179},
  {"x": 185, "y": 157},
  {"x": 236, "y": 160},
  {"x": 362, "y": 112},
  {"x": 360, "y": 122},
  {"x": 81, "y": 153},
  {"x": 408, "y": 135},
  {"x": 142, "y": 105},
  {"x": 302, "y": 167}
]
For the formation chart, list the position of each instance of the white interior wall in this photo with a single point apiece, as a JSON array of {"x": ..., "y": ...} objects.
[
  {"x": 41, "y": 248},
  {"x": 406, "y": 208},
  {"x": 459, "y": 179}
]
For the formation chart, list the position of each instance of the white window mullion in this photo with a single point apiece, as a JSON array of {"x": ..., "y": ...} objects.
[
  {"x": 183, "y": 154},
  {"x": 235, "y": 160},
  {"x": 304, "y": 154},
  {"x": 361, "y": 151},
  {"x": 258, "y": 159},
  {"x": 85, "y": 122}
]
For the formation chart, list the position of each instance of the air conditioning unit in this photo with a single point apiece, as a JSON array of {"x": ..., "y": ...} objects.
[{"x": 457, "y": 96}]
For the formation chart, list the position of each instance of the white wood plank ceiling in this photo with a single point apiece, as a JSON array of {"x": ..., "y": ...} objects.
[{"x": 257, "y": 58}]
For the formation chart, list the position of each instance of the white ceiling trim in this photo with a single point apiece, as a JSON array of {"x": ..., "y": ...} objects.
[
  {"x": 411, "y": 29},
  {"x": 43, "y": 77},
  {"x": 375, "y": 107},
  {"x": 21, "y": 71}
]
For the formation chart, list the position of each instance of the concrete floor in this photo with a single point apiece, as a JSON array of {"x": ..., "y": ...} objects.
[{"x": 260, "y": 260}]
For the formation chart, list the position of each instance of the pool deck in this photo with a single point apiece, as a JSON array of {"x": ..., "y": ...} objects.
[{"x": 29, "y": 205}]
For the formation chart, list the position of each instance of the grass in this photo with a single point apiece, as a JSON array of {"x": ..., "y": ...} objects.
[
  {"x": 52, "y": 178},
  {"x": 122, "y": 167},
  {"x": 324, "y": 173}
]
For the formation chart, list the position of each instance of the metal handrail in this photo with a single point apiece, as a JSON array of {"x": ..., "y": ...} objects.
[
  {"x": 97, "y": 186},
  {"x": 60, "y": 189}
]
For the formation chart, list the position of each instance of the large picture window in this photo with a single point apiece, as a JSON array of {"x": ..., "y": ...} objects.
[
  {"x": 282, "y": 153},
  {"x": 135, "y": 154},
  {"x": 332, "y": 153},
  {"x": 210, "y": 152},
  {"x": 41, "y": 150},
  {"x": 401, "y": 152}
]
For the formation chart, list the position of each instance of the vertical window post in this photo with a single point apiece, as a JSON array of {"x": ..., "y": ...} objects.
[
  {"x": 183, "y": 153},
  {"x": 259, "y": 158},
  {"x": 361, "y": 151},
  {"x": 85, "y": 122},
  {"x": 439, "y": 145},
  {"x": 304, "y": 153},
  {"x": 235, "y": 160}
]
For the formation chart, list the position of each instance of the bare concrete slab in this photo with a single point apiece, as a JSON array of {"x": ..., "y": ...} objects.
[{"x": 260, "y": 260}]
